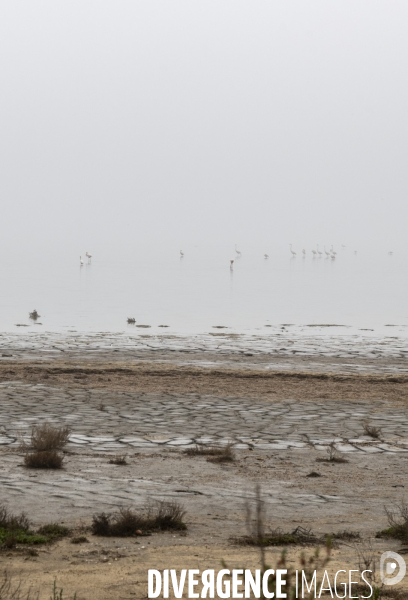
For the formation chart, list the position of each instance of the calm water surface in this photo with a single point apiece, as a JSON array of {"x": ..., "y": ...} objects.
[{"x": 199, "y": 291}]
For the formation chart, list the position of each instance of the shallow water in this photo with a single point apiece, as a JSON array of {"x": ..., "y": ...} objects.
[{"x": 193, "y": 294}]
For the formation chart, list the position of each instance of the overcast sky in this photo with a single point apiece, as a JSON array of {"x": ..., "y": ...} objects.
[{"x": 211, "y": 121}]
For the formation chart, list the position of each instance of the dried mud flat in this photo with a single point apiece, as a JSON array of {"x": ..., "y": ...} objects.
[{"x": 151, "y": 409}]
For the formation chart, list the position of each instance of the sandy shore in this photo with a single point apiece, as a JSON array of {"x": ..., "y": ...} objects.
[{"x": 153, "y": 407}]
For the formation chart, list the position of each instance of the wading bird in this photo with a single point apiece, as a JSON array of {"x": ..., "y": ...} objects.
[
  {"x": 318, "y": 251},
  {"x": 237, "y": 251},
  {"x": 266, "y": 255},
  {"x": 81, "y": 262},
  {"x": 231, "y": 263},
  {"x": 304, "y": 252},
  {"x": 181, "y": 253},
  {"x": 292, "y": 251},
  {"x": 89, "y": 256}
]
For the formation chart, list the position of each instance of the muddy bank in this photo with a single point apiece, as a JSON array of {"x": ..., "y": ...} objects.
[{"x": 164, "y": 378}]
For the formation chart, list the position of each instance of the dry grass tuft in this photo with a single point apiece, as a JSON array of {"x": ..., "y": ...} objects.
[
  {"x": 54, "y": 531},
  {"x": 80, "y": 539},
  {"x": 298, "y": 537},
  {"x": 46, "y": 437},
  {"x": 9, "y": 521},
  {"x": 333, "y": 455},
  {"x": 215, "y": 453},
  {"x": 373, "y": 432},
  {"x": 118, "y": 460},
  {"x": 48, "y": 459},
  {"x": 160, "y": 516},
  {"x": 346, "y": 535},
  {"x": 397, "y": 521},
  {"x": 34, "y": 315}
]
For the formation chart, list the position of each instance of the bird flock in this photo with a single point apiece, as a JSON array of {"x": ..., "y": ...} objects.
[{"x": 316, "y": 252}]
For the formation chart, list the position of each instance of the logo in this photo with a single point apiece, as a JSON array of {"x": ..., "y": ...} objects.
[{"x": 388, "y": 565}]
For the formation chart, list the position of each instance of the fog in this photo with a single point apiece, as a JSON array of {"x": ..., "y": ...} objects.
[{"x": 203, "y": 123}]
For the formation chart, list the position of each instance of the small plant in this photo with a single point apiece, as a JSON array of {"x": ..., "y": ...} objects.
[
  {"x": 397, "y": 521},
  {"x": 313, "y": 474},
  {"x": 309, "y": 565},
  {"x": 215, "y": 453},
  {"x": 118, "y": 460},
  {"x": 101, "y": 406},
  {"x": 46, "y": 437},
  {"x": 34, "y": 315},
  {"x": 54, "y": 531},
  {"x": 333, "y": 455},
  {"x": 15, "y": 529},
  {"x": 80, "y": 539},
  {"x": 58, "y": 594},
  {"x": 160, "y": 516},
  {"x": 346, "y": 535},
  {"x": 373, "y": 432},
  {"x": 131, "y": 321},
  {"x": 48, "y": 459}
]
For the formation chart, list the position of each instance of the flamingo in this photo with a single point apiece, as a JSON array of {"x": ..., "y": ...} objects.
[
  {"x": 266, "y": 255},
  {"x": 231, "y": 263},
  {"x": 237, "y": 251},
  {"x": 325, "y": 251},
  {"x": 304, "y": 252},
  {"x": 390, "y": 253},
  {"x": 181, "y": 253},
  {"x": 333, "y": 256},
  {"x": 332, "y": 250},
  {"x": 318, "y": 251},
  {"x": 293, "y": 252},
  {"x": 81, "y": 262},
  {"x": 89, "y": 256},
  {"x": 314, "y": 253}
]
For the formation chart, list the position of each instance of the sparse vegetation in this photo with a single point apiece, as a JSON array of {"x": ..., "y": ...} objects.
[
  {"x": 277, "y": 537},
  {"x": 16, "y": 529},
  {"x": 58, "y": 594},
  {"x": 80, "y": 539},
  {"x": 54, "y": 531},
  {"x": 397, "y": 521},
  {"x": 333, "y": 455},
  {"x": 34, "y": 315},
  {"x": 313, "y": 474},
  {"x": 373, "y": 432},
  {"x": 131, "y": 321},
  {"x": 257, "y": 535},
  {"x": 158, "y": 516},
  {"x": 118, "y": 460},
  {"x": 46, "y": 437},
  {"x": 214, "y": 453},
  {"x": 309, "y": 565},
  {"x": 42, "y": 449},
  {"x": 346, "y": 535},
  {"x": 49, "y": 459}
]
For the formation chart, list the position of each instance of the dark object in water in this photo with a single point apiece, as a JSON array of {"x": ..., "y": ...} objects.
[
  {"x": 131, "y": 321},
  {"x": 34, "y": 315}
]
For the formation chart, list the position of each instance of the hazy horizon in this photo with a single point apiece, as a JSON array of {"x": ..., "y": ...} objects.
[{"x": 209, "y": 123}]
